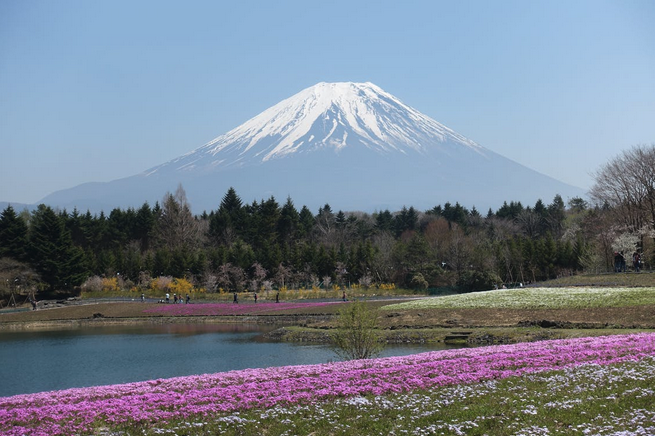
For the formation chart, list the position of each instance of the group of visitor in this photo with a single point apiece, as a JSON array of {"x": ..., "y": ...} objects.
[
  {"x": 620, "y": 262},
  {"x": 176, "y": 299},
  {"x": 235, "y": 298}
]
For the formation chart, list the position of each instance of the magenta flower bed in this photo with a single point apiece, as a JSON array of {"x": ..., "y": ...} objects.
[
  {"x": 222, "y": 309},
  {"x": 76, "y": 411}
]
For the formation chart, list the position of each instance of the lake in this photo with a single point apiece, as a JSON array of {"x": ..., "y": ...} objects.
[{"x": 94, "y": 356}]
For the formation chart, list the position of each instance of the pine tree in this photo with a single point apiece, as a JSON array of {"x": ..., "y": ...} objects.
[
  {"x": 52, "y": 253},
  {"x": 340, "y": 219},
  {"x": 406, "y": 220},
  {"x": 288, "y": 222},
  {"x": 306, "y": 222},
  {"x": 229, "y": 220},
  {"x": 13, "y": 235},
  {"x": 384, "y": 221},
  {"x": 145, "y": 226}
]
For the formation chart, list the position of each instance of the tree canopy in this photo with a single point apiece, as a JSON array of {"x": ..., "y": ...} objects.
[{"x": 265, "y": 243}]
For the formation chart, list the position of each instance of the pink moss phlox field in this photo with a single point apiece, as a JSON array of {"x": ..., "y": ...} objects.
[
  {"x": 78, "y": 411},
  {"x": 225, "y": 309}
]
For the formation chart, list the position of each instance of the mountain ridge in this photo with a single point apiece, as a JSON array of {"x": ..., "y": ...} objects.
[{"x": 352, "y": 145}]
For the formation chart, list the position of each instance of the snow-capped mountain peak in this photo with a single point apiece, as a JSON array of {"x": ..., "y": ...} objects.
[
  {"x": 324, "y": 116},
  {"x": 351, "y": 145}
]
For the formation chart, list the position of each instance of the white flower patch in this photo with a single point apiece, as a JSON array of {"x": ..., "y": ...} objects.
[
  {"x": 530, "y": 410},
  {"x": 357, "y": 401},
  {"x": 533, "y": 431},
  {"x": 566, "y": 404},
  {"x": 537, "y": 298},
  {"x": 233, "y": 419}
]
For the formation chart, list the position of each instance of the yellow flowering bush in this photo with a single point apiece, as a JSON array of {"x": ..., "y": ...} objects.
[
  {"x": 181, "y": 286},
  {"x": 110, "y": 284},
  {"x": 387, "y": 286}
]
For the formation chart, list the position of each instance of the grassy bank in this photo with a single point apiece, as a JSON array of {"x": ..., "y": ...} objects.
[
  {"x": 623, "y": 279},
  {"x": 472, "y": 336},
  {"x": 538, "y": 298}
]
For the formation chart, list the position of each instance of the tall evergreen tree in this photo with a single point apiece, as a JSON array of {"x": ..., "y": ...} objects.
[
  {"x": 145, "y": 226},
  {"x": 556, "y": 215},
  {"x": 52, "y": 253},
  {"x": 13, "y": 235},
  {"x": 384, "y": 221},
  {"x": 306, "y": 222},
  {"x": 288, "y": 222},
  {"x": 407, "y": 219},
  {"x": 229, "y": 220},
  {"x": 340, "y": 219}
]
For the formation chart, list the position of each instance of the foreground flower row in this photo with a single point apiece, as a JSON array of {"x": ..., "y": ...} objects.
[
  {"x": 588, "y": 399},
  {"x": 80, "y": 410},
  {"x": 225, "y": 309}
]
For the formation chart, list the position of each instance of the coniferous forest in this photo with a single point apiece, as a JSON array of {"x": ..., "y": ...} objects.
[{"x": 267, "y": 244}]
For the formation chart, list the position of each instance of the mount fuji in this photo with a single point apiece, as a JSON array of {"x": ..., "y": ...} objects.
[{"x": 351, "y": 145}]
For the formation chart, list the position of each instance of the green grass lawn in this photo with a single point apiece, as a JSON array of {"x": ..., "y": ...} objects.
[{"x": 538, "y": 298}]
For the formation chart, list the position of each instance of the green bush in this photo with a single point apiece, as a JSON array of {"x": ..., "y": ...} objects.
[
  {"x": 470, "y": 281},
  {"x": 356, "y": 336}
]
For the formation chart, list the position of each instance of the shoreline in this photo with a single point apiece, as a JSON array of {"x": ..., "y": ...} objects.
[
  {"x": 297, "y": 328},
  {"x": 100, "y": 321}
]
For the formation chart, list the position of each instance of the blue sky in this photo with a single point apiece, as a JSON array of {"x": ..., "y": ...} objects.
[{"x": 95, "y": 91}]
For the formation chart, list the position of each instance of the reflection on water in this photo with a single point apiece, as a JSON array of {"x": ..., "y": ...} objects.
[{"x": 93, "y": 356}]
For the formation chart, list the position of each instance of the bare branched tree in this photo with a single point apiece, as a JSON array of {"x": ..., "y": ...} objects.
[
  {"x": 530, "y": 222},
  {"x": 327, "y": 281},
  {"x": 231, "y": 278},
  {"x": 258, "y": 275},
  {"x": 626, "y": 184},
  {"x": 282, "y": 275},
  {"x": 177, "y": 228}
]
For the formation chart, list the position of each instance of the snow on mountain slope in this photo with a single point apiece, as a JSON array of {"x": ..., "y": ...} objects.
[
  {"x": 325, "y": 116},
  {"x": 351, "y": 145}
]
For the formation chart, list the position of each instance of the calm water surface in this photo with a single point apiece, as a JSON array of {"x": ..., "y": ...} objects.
[{"x": 94, "y": 356}]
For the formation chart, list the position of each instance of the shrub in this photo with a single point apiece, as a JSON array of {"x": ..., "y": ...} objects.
[
  {"x": 387, "y": 286},
  {"x": 110, "y": 284},
  {"x": 356, "y": 336},
  {"x": 181, "y": 286},
  {"x": 419, "y": 282},
  {"x": 92, "y": 284},
  {"x": 470, "y": 281},
  {"x": 161, "y": 284}
]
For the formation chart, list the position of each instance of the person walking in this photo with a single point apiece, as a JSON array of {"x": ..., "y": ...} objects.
[
  {"x": 636, "y": 261},
  {"x": 236, "y": 299}
]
